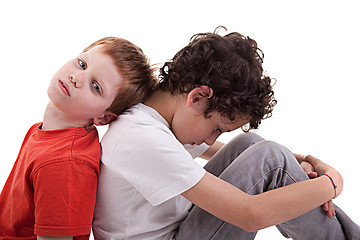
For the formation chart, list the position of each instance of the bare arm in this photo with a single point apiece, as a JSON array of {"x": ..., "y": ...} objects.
[
  {"x": 254, "y": 212},
  {"x": 212, "y": 150},
  {"x": 311, "y": 172},
  {"x": 53, "y": 238}
]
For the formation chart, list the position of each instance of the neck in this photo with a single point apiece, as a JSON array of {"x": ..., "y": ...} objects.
[
  {"x": 55, "y": 120},
  {"x": 164, "y": 103}
]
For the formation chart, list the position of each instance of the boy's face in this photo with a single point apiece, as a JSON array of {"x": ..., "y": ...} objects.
[
  {"x": 85, "y": 86},
  {"x": 194, "y": 128}
]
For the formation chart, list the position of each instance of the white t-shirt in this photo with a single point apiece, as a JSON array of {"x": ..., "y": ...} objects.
[{"x": 144, "y": 170}]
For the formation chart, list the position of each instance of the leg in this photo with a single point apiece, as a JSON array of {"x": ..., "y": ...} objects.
[
  {"x": 261, "y": 167},
  {"x": 222, "y": 159},
  {"x": 351, "y": 229},
  {"x": 202, "y": 225}
]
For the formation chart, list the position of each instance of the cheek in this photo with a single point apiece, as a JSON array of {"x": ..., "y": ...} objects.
[
  {"x": 97, "y": 109},
  {"x": 200, "y": 129},
  {"x": 90, "y": 106}
]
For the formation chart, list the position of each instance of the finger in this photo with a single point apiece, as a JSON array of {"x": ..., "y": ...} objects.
[
  {"x": 312, "y": 174},
  {"x": 325, "y": 206},
  {"x": 329, "y": 208},
  {"x": 312, "y": 160},
  {"x": 332, "y": 209}
]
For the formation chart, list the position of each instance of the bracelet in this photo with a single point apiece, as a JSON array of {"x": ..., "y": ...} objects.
[{"x": 333, "y": 183}]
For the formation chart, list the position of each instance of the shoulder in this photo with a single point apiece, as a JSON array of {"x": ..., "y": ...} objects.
[
  {"x": 140, "y": 141},
  {"x": 139, "y": 127},
  {"x": 70, "y": 147},
  {"x": 32, "y": 130},
  {"x": 86, "y": 147}
]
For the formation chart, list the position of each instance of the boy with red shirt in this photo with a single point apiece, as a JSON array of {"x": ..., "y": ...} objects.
[{"x": 51, "y": 189}]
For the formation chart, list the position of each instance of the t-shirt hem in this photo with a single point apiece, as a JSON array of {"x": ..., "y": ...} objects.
[
  {"x": 196, "y": 150},
  {"x": 62, "y": 230}
]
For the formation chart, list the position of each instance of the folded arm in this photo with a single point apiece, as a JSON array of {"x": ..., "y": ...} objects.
[
  {"x": 304, "y": 161},
  {"x": 254, "y": 212}
]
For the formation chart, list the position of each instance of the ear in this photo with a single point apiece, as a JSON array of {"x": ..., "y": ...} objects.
[
  {"x": 199, "y": 95},
  {"x": 106, "y": 118}
]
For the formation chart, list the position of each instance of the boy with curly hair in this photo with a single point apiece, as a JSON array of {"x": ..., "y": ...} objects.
[
  {"x": 149, "y": 179},
  {"x": 51, "y": 190}
]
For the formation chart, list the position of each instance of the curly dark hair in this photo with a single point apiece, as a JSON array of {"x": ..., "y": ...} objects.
[{"x": 231, "y": 66}]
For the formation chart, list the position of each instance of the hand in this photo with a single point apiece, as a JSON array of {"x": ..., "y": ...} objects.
[
  {"x": 322, "y": 168},
  {"x": 310, "y": 171}
]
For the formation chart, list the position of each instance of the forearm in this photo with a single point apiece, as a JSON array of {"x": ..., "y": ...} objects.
[
  {"x": 254, "y": 212},
  {"x": 285, "y": 203},
  {"x": 212, "y": 150}
]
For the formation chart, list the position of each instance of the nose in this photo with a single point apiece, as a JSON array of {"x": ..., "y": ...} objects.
[
  {"x": 76, "y": 79},
  {"x": 211, "y": 140}
]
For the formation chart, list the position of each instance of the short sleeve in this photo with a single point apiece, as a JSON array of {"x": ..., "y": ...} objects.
[
  {"x": 64, "y": 198},
  {"x": 156, "y": 164},
  {"x": 196, "y": 150}
]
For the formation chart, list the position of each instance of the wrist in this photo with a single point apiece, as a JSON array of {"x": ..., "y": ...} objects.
[
  {"x": 333, "y": 183},
  {"x": 336, "y": 182}
]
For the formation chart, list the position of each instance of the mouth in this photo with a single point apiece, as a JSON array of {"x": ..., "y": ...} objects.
[{"x": 64, "y": 88}]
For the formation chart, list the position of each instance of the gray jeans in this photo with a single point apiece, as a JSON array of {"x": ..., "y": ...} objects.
[{"x": 255, "y": 165}]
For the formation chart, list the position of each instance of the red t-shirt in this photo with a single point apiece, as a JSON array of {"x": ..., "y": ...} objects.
[{"x": 51, "y": 189}]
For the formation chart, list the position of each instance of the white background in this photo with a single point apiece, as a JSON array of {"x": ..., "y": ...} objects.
[{"x": 311, "y": 48}]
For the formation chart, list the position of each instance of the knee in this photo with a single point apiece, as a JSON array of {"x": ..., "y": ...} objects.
[
  {"x": 273, "y": 150},
  {"x": 277, "y": 156},
  {"x": 245, "y": 140},
  {"x": 241, "y": 142}
]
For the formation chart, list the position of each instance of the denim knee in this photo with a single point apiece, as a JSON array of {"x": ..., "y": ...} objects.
[
  {"x": 278, "y": 156},
  {"x": 245, "y": 140},
  {"x": 274, "y": 151}
]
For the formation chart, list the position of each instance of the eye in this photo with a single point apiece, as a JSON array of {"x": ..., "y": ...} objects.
[
  {"x": 207, "y": 116},
  {"x": 96, "y": 87},
  {"x": 82, "y": 64}
]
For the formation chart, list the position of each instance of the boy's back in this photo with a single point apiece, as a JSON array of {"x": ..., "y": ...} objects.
[{"x": 142, "y": 178}]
